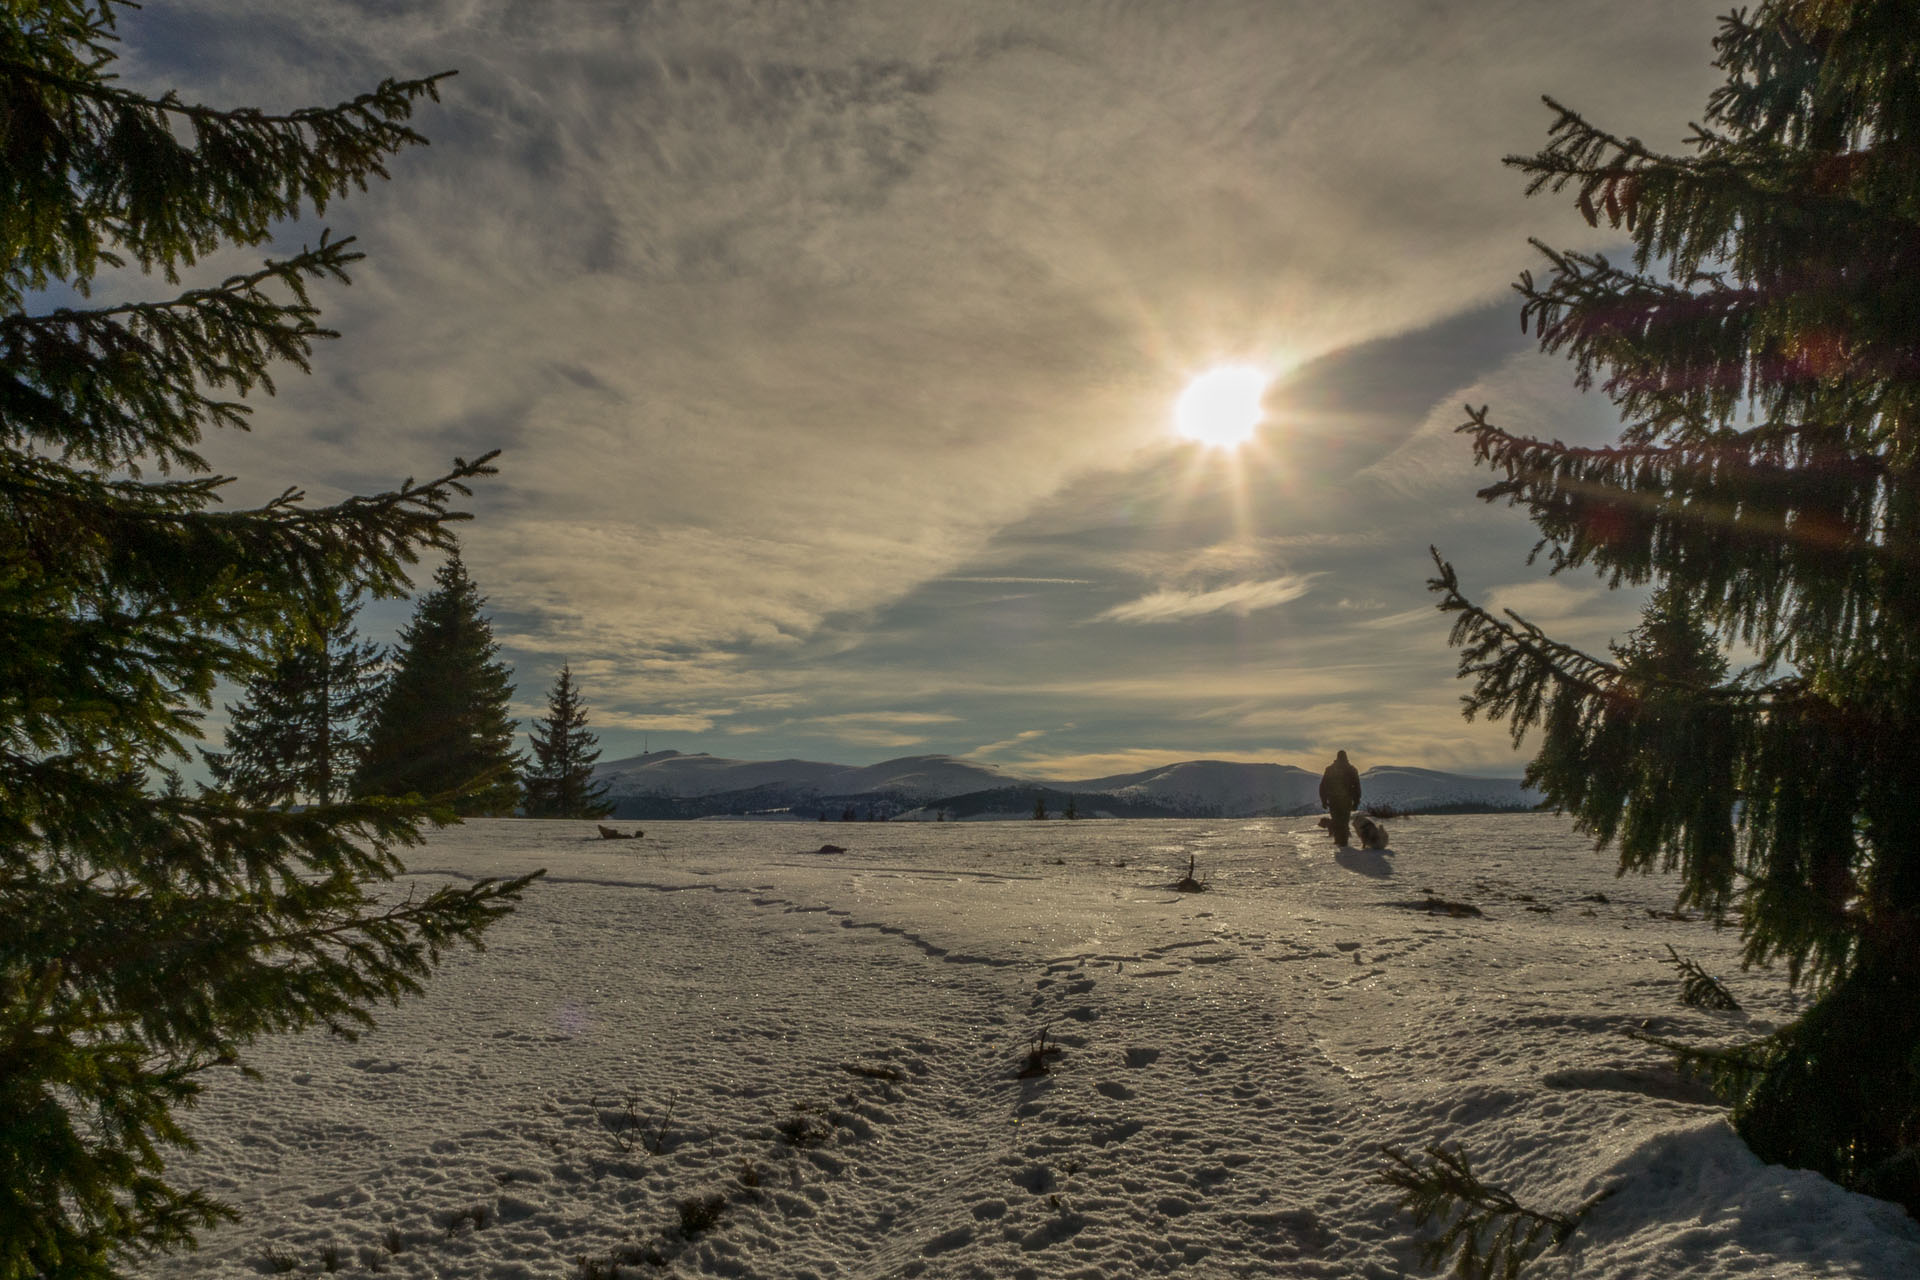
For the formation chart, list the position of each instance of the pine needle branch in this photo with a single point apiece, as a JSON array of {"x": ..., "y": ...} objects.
[
  {"x": 1729, "y": 1072},
  {"x": 1698, "y": 987},
  {"x": 1495, "y": 1236}
]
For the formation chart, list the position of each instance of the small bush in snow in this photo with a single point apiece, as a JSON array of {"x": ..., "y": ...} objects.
[
  {"x": 633, "y": 1255},
  {"x": 1038, "y": 1051},
  {"x": 700, "y": 1214},
  {"x": 475, "y": 1216},
  {"x": 585, "y": 1268},
  {"x": 804, "y": 1128},
  {"x": 1188, "y": 883},
  {"x": 628, "y": 1128},
  {"x": 275, "y": 1263}
]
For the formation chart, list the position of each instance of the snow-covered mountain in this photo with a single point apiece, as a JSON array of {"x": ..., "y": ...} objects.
[
  {"x": 638, "y": 785},
  {"x": 1409, "y": 788},
  {"x": 1228, "y": 788},
  {"x": 669, "y": 773},
  {"x": 1236, "y": 790}
]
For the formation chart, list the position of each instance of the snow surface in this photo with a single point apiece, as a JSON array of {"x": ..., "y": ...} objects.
[{"x": 719, "y": 1004}]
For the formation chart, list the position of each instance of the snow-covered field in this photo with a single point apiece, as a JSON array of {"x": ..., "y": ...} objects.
[{"x": 821, "y": 1050}]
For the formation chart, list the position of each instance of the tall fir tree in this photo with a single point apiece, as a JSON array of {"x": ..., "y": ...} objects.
[
  {"x": 297, "y": 732},
  {"x": 1760, "y": 350},
  {"x": 150, "y": 934},
  {"x": 442, "y": 728},
  {"x": 559, "y": 779}
]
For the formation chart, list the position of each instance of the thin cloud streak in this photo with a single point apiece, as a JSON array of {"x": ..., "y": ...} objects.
[
  {"x": 1061, "y": 582},
  {"x": 1242, "y": 598}
]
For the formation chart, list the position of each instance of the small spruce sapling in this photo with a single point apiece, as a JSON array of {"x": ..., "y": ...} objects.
[{"x": 559, "y": 781}]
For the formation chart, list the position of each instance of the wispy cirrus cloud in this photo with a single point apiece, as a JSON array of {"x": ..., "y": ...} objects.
[
  {"x": 1005, "y": 581},
  {"x": 1020, "y": 739},
  {"x": 663, "y": 723},
  {"x": 1242, "y": 598},
  {"x": 784, "y": 310}
]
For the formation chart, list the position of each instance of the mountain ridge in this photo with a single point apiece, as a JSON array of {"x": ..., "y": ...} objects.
[{"x": 670, "y": 784}]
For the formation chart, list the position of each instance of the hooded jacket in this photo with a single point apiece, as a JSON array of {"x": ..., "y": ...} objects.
[{"x": 1340, "y": 784}]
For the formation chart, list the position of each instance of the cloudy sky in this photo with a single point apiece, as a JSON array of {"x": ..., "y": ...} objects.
[{"x": 833, "y": 347}]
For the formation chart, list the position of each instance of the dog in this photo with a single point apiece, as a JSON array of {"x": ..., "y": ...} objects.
[{"x": 1372, "y": 834}]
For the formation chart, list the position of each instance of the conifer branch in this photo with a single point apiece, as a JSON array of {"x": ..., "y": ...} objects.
[
  {"x": 1729, "y": 1072},
  {"x": 110, "y": 157},
  {"x": 377, "y": 107},
  {"x": 1513, "y": 663},
  {"x": 1777, "y": 534},
  {"x": 87, "y": 378},
  {"x": 1699, "y": 988},
  {"x": 1493, "y": 1233}
]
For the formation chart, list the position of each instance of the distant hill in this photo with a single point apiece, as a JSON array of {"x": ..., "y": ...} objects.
[
  {"x": 668, "y": 784},
  {"x": 1426, "y": 790},
  {"x": 1002, "y": 803},
  {"x": 1215, "y": 788},
  {"x": 673, "y": 774},
  {"x": 669, "y": 773}
]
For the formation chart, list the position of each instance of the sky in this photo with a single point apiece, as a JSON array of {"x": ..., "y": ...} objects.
[{"x": 832, "y": 348}]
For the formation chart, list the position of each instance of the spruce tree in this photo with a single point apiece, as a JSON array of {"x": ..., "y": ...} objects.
[
  {"x": 148, "y": 934},
  {"x": 442, "y": 728},
  {"x": 296, "y": 733},
  {"x": 1760, "y": 350},
  {"x": 559, "y": 782}
]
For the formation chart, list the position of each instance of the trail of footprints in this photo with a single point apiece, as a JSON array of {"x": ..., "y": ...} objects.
[
  {"x": 1112, "y": 1127},
  {"x": 1071, "y": 1157}
]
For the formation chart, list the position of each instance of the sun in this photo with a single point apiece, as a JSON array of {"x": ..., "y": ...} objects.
[{"x": 1223, "y": 406}]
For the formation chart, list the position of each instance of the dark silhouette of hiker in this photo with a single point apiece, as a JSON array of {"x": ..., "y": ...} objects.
[{"x": 1340, "y": 792}]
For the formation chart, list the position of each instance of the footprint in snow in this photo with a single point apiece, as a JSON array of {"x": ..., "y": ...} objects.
[{"x": 947, "y": 1241}]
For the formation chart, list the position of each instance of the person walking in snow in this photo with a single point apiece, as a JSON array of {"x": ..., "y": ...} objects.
[{"x": 1340, "y": 793}]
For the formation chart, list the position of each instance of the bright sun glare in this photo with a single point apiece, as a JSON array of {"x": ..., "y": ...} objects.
[{"x": 1222, "y": 407}]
